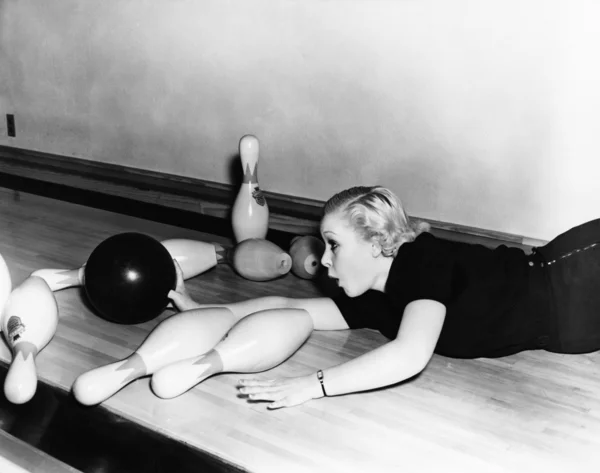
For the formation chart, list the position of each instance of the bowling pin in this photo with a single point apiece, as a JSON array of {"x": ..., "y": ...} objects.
[
  {"x": 58, "y": 279},
  {"x": 5, "y": 283},
  {"x": 29, "y": 322},
  {"x": 259, "y": 260},
  {"x": 306, "y": 253},
  {"x": 256, "y": 343},
  {"x": 250, "y": 212},
  {"x": 194, "y": 257},
  {"x": 181, "y": 336}
]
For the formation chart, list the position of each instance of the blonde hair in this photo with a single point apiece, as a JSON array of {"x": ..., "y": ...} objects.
[{"x": 376, "y": 214}]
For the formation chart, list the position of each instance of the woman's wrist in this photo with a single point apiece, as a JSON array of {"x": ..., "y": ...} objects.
[{"x": 319, "y": 377}]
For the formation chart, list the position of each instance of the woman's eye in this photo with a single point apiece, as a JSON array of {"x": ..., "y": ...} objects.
[{"x": 333, "y": 245}]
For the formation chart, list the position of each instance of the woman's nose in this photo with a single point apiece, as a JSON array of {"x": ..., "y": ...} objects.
[{"x": 326, "y": 259}]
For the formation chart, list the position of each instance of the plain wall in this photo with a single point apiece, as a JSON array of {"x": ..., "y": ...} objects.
[{"x": 480, "y": 113}]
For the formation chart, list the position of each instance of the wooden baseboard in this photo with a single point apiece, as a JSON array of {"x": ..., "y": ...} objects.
[{"x": 289, "y": 214}]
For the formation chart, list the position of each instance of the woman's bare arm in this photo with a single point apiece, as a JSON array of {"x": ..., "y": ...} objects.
[
  {"x": 388, "y": 364},
  {"x": 324, "y": 312}
]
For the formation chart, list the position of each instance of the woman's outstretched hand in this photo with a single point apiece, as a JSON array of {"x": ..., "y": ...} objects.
[
  {"x": 283, "y": 392},
  {"x": 180, "y": 296}
]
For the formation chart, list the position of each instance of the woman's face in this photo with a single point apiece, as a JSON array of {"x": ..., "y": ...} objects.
[{"x": 349, "y": 259}]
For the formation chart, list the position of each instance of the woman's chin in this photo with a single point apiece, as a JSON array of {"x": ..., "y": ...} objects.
[
  {"x": 353, "y": 292},
  {"x": 349, "y": 292}
]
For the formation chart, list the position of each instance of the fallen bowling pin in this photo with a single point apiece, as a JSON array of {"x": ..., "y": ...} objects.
[
  {"x": 194, "y": 257},
  {"x": 256, "y": 343},
  {"x": 250, "y": 212},
  {"x": 306, "y": 252},
  {"x": 58, "y": 279},
  {"x": 259, "y": 260},
  {"x": 181, "y": 336},
  {"x": 29, "y": 322}
]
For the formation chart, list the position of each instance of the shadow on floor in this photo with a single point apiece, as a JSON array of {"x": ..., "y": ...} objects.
[{"x": 94, "y": 440}]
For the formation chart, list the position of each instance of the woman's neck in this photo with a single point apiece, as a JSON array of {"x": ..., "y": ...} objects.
[{"x": 383, "y": 271}]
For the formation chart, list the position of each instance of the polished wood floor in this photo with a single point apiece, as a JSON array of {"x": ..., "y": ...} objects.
[{"x": 530, "y": 412}]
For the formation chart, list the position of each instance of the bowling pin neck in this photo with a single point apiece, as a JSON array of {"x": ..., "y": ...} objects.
[
  {"x": 221, "y": 252},
  {"x": 177, "y": 378},
  {"x": 58, "y": 279},
  {"x": 97, "y": 385},
  {"x": 25, "y": 349},
  {"x": 249, "y": 156},
  {"x": 212, "y": 362},
  {"x": 250, "y": 173}
]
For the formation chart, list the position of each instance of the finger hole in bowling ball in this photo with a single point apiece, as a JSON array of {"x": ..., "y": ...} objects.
[{"x": 127, "y": 278}]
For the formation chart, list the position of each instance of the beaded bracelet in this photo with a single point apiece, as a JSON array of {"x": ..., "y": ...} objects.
[{"x": 320, "y": 377}]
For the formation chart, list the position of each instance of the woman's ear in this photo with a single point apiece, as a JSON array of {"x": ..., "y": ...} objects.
[{"x": 376, "y": 249}]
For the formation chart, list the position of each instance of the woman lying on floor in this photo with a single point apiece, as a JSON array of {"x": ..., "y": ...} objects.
[{"x": 427, "y": 295}]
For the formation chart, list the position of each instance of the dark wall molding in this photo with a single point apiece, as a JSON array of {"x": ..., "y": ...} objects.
[{"x": 67, "y": 178}]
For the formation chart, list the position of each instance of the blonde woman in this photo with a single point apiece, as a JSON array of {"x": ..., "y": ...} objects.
[{"x": 429, "y": 295}]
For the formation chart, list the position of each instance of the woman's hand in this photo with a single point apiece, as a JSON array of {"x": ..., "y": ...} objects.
[
  {"x": 284, "y": 392},
  {"x": 180, "y": 296}
]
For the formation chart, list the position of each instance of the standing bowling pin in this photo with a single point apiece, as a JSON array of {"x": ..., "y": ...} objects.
[
  {"x": 181, "y": 336},
  {"x": 256, "y": 343},
  {"x": 250, "y": 213},
  {"x": 259, "y": 260},
  {"x": 194, "y": 257},
  {"x": 29, "y": 322}
]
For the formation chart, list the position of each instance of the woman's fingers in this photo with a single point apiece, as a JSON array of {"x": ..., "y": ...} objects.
[
  {"x": 256, "y": 382},
  {"x": 283, "y": 392},
  {"x": 176, "y": 297},
  {"x": 288, "y": 401},
  {"x": 179, "y": 275},
  {"x": 279, "y": 404},
  {"x": 261, "y": 390},
  {"x": 180, "y": 297},
  {"x": 266, "y": 396}
]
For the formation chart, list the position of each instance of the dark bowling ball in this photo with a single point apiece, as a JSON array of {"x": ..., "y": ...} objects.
[{"x": 127, "y": 278}]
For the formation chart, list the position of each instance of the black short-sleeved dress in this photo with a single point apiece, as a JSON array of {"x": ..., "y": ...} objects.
[{"x": 498, "y": 301}]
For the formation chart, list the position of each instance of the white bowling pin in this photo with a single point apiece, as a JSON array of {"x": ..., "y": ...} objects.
[
  {"x": 250, "y": 212},
  {"x": 29, "y": 322},
  {"x": 5, "y": 283},
  {"x": 194, "y": 257},
  {"x": 259, "y": 260},
  {"x": 58, "y": 279},
  {"x": 306, "y": 253},
  {"x": 256, "y": 343},
  {"x": 181, "y": 336}
]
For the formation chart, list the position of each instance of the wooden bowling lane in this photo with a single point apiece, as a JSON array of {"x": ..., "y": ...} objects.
[{"x": 526, "y": 413}]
